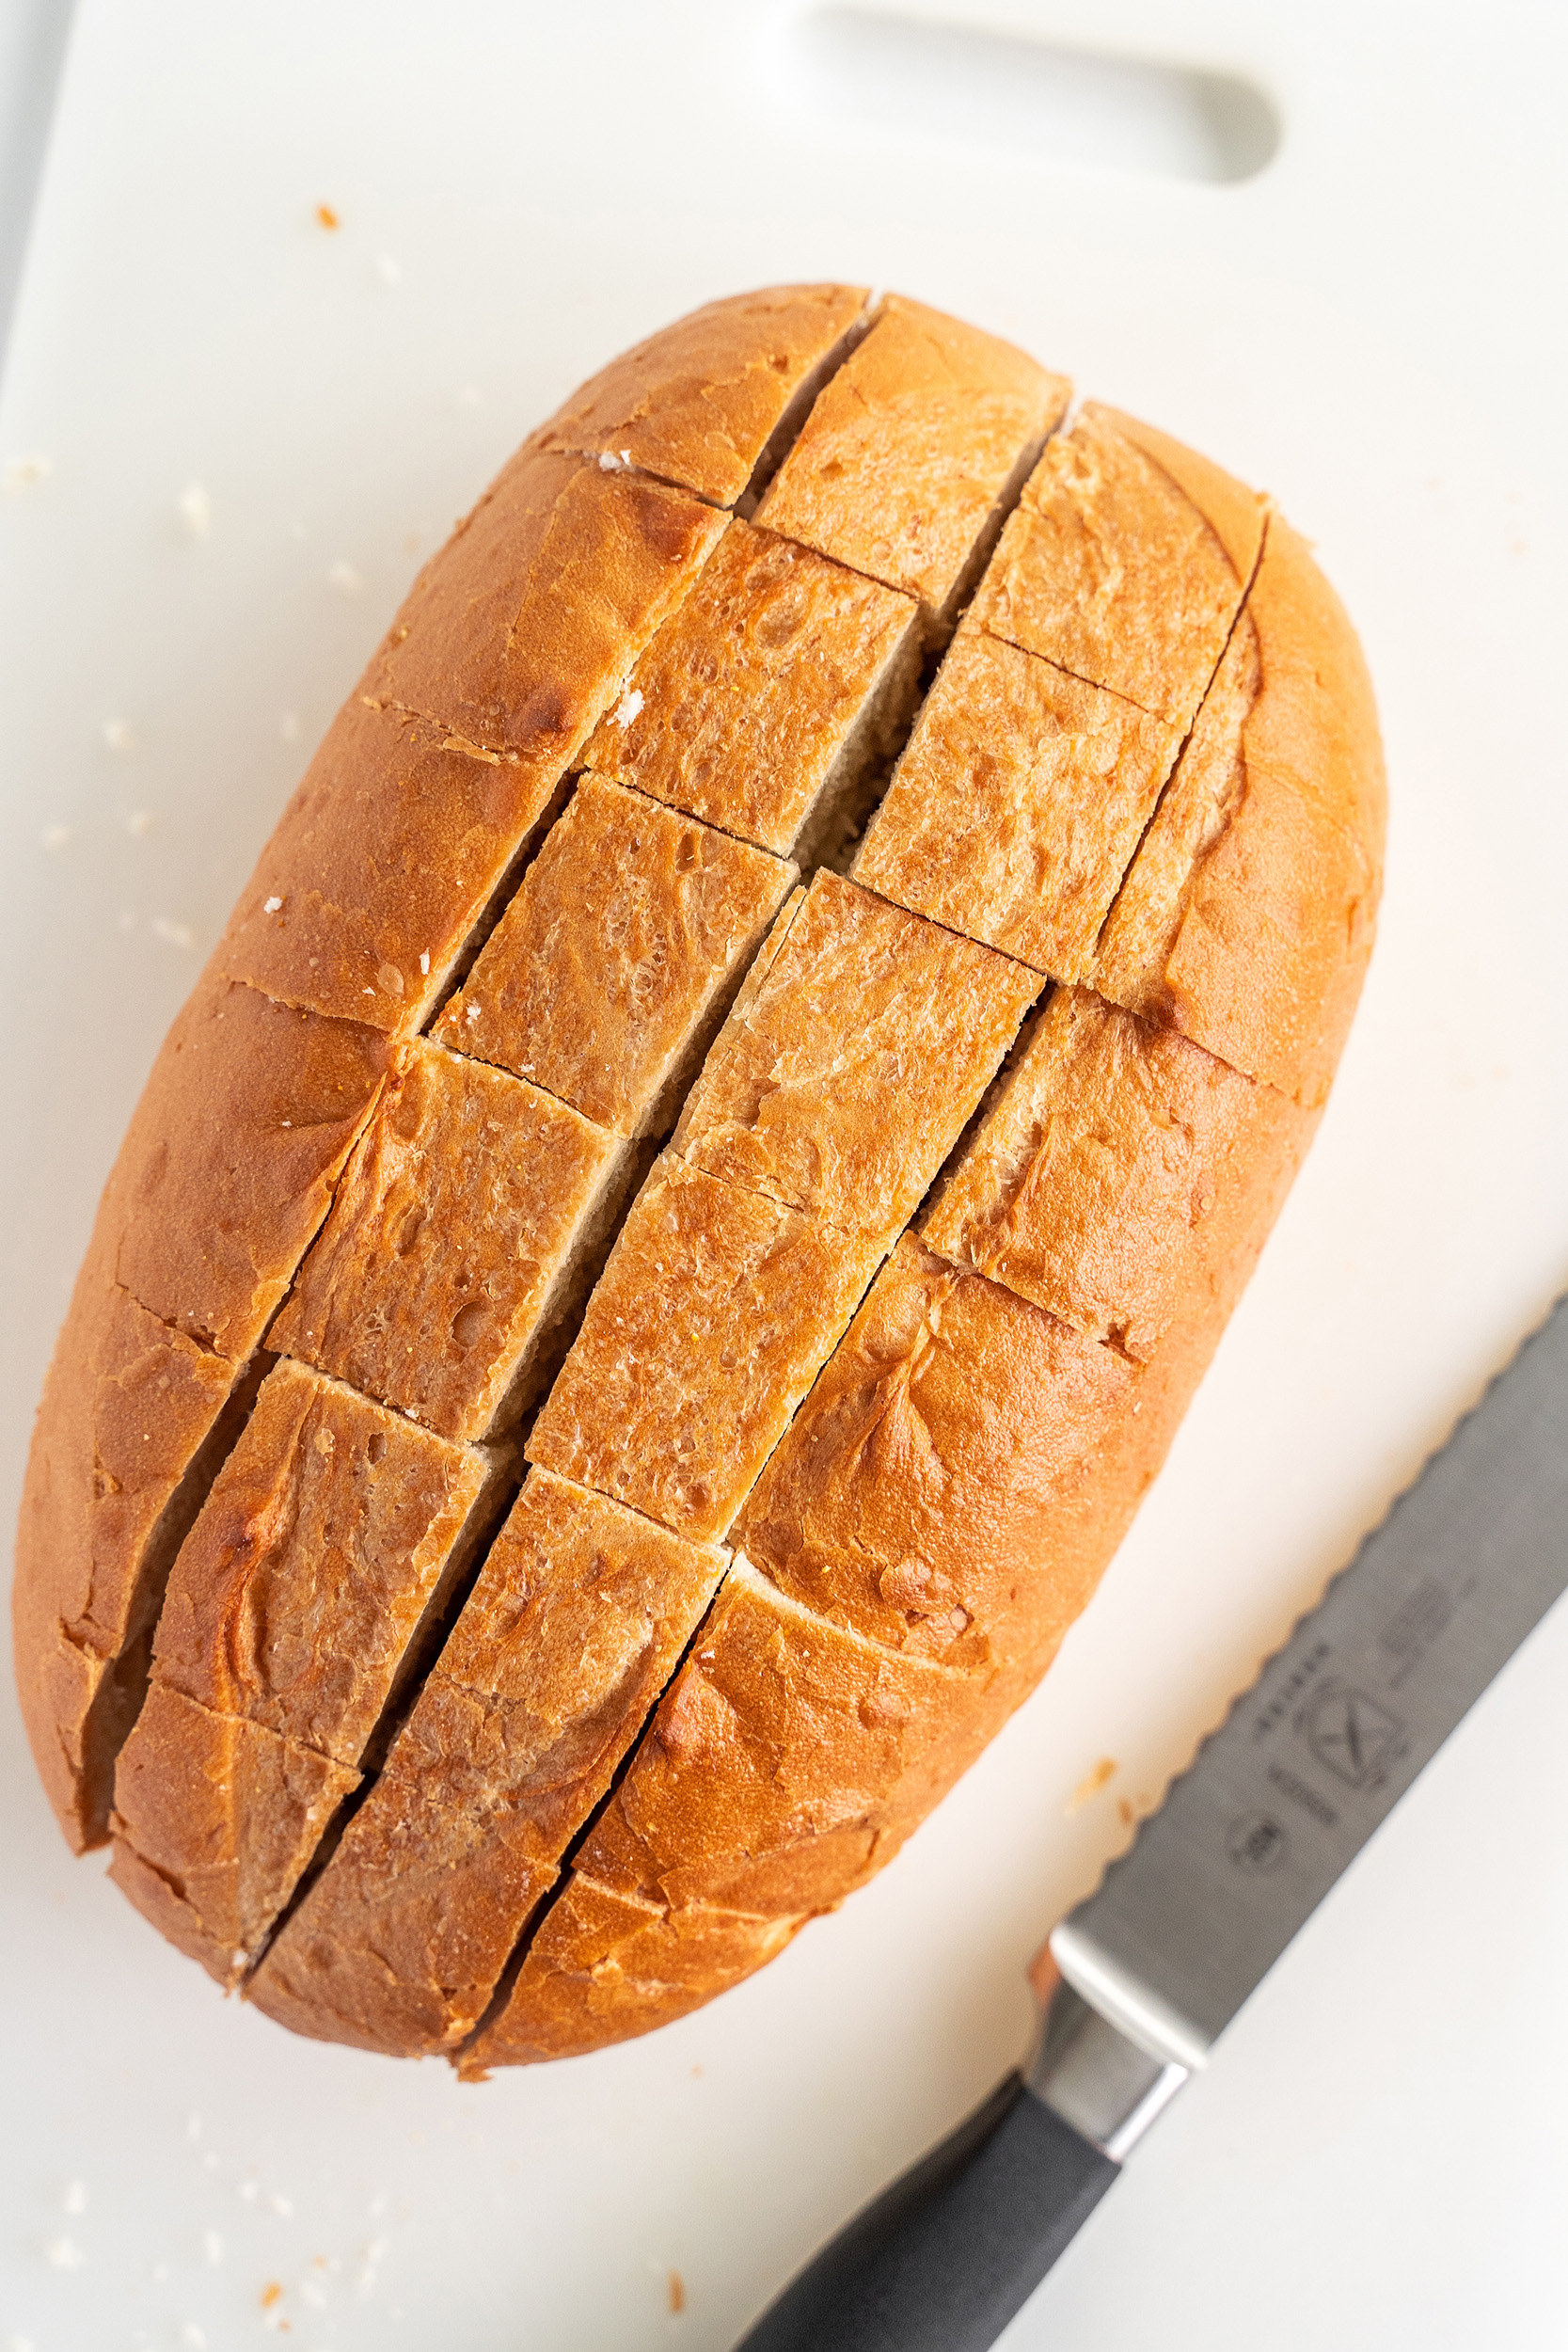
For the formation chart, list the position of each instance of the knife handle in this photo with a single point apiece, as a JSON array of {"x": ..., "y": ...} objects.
[{"x": 945, "y": 2257}]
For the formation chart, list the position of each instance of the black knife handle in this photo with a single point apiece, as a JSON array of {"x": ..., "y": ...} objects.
[{"x": 945, "y": 2256}]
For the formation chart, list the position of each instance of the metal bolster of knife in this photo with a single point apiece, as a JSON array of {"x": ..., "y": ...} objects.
[{"x": 1103, "y": 2059}]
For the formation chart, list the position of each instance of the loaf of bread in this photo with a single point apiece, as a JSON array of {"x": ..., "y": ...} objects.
[{"x": 677, "y": 1226}]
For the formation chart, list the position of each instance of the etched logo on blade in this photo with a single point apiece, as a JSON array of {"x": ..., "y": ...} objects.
[
  {"x": 1352, "y": 1735},
  {"x": 1256, "y": 1842}
]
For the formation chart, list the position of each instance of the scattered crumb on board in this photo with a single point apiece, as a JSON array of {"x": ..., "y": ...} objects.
[{"x": 1092, "y": 1782}]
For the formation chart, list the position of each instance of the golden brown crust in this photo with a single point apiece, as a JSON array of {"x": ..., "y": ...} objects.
[
  {"x": 1247, "y": 919},
  {"x": 612, "y": 966},
  {"x": 700, "y": 402},
  {"x": 1119, "y": 1175},
  {"x": 577, "y": 1622},
  {"x": 604, "y": 1968},
  {"x": 229, "y": 1163},
  {"x": 1126, "y": 563},
  {"x": 326, "y": 1544},
  {"x": 927, "y": 1493},
  {"x": 127, "y": 1409},
  {"x": 381, "y": 863},
  {"x": 764, "y": 697},
  {"x": 911, "y": 448},
  {"x": 785, "y": 1764},
  {"x": 321, "y": 1544},
  {"x": 522, "y": 630},
  {"x": 702, "y": 1334},
  {"x": 850, "y": 1120},
  {"x": 449, "y": 1243},
  {"x": 1018, "y": 805},
  {"x": 215, "y": 1820}
]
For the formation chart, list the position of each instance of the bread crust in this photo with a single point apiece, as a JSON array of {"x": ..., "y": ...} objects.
[
  {"x": 604, "y": 1967},
  {"x": 1247, "y": 918},
  {"x": 1126, "y": 563},
  {"x": 1119, "y": 1176},
  {"x": 451, "y": 1243},
  {"x": 128, "y": 1405},
  {"x": 774, "y": 689},
  {"x": 926, "y": 1494},
  {"x": 1018, "y": 805},
  {"x": 700, "y": 401},
  {"x": 520, "y": 632},
  {"x": 547, "y": 828},
  {"x": 216, "y": 1818},
  {"x": 912, "y": 451},
  {"x": 327, "y": 1542},
  {"x": 228, "y": 1167},
  {"x": 705, "y": 1329},
  {"x": 852, "y": 1126},
  {"x": 611, "y": 967},
  {"x": 577, "y": 1623},
  {"x": 785, "y": 1764},
  {"x": 381, "y": 863}
]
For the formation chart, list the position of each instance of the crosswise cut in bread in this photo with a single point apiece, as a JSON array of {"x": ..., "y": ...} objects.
[{"x": 656, "y": 1266}]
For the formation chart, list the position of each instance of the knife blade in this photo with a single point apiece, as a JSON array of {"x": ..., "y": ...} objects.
[{"x": 1139, "y": 1981}]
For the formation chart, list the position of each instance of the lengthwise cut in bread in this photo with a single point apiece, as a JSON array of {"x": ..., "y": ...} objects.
[{"x": 675, "y": 1230}]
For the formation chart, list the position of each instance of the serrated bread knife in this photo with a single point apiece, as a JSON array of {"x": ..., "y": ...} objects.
[{"x": 1137, "y": 1983}]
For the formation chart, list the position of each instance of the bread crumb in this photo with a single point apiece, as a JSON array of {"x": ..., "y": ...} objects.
[
  {"x": 21, "y": 473},
  {"x": 343, "y": 576},
  {"x": 272, "y": 2293},
  {"x": 63, "y": 2253},
  {"x": 173, "y": 934},
  {"x": 288, "y": 726},
  {"x": 312, "y": 2296},
  {"x": 75, "y": 2197},
  {"x": 389, "y": 268},
  {"x": 277, "y": 2203},
  {"x": 1125, "y": 1812},
  {"x": 677, "y": 2292},
  {"x": 249, "y": 2191},
  {"x": 139, "y": 821},
  {"x": 195, "y": 509},
  {"x": 470, "y": 1012},
  {"x": 190, "y": 2333},
  {"x": 55, "y": 837},
  {"x": 271, "y": 906},
  {"x": 327, "y": 216},
  {"x": 118, "y": 734},
  {"x": 424, "y": 961},
  {"x": 630, "y": 705},
  {"x": 1092, "y": 1782},
  {"x": 211, "y": 2245}
]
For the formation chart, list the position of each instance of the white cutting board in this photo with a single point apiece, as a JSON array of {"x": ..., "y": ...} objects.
[{"x": 1379, "y": 2154}]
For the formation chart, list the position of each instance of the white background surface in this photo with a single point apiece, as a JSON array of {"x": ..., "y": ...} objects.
[{"x": 1373, "y": 328}]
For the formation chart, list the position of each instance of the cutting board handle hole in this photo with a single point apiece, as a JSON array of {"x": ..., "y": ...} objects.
[{"x": 1092, "y": 108}]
